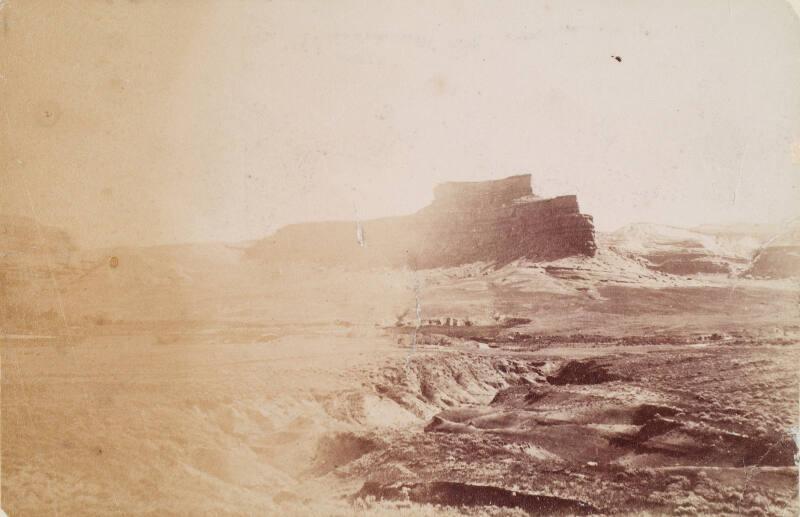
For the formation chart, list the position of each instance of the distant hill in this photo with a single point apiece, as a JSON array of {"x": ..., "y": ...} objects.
[
  {"x": 23, "y": 235},
  {"x": 34, "y": 258},
  {"x": 680, "y": 251},
  {"x": 47, "y": 282},
  {"x": 779, "y": 256}
]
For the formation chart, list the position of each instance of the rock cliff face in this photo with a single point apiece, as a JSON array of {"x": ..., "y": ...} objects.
[{"x": 492, "y": 221}]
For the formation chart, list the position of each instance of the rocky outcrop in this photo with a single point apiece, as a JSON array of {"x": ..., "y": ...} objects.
[
  {"x": 492, "y": 221},
  {"x": 461, "y": 195},
  {"x": 779, "y": 256},
  {"x": 681, "y": 251},
  {"x": 748, "y": 250},
  {"x": 776, "y": 262}
]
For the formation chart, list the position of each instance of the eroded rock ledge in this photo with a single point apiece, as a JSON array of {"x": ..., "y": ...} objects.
[{"x": 491, "y": 221}]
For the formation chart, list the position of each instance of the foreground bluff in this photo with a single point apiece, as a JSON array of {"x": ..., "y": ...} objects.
[{"x": 490, "y": 221}]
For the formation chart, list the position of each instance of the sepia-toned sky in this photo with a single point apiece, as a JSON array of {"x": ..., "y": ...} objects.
[{"x": 146, "y": 122}]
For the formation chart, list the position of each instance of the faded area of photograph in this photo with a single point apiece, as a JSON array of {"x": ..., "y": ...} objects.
[{"x": 399, "y": 258}]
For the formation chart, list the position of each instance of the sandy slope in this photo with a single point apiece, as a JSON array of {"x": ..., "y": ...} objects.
[{"x": 126, "y": 425}]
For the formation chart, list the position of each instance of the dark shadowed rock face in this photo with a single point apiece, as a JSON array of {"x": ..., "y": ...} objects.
[
  {"x": 463, "y": 495},
  {"x": 493, "y": 221}
]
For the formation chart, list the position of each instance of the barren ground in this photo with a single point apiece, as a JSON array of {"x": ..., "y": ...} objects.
[
  {"x": 582, "y": 387},
  {"x": 135, "y": 424}
]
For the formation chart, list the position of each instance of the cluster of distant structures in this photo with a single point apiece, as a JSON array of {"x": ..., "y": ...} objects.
[
  {"x": 447, "y": 322},
  {"x": 496, "y": 320}
]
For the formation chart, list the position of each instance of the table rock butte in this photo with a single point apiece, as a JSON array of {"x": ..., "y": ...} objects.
[{"x": 495, "y": 221}]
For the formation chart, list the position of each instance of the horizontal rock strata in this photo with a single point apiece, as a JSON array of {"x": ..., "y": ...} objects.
[{"x": 492, "y": 221}]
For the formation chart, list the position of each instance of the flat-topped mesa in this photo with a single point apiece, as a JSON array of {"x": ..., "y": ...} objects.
[
  {"x": 471, "y": 194},
  {"x": 489, "y": 221},
  {"x": 500, "y": 221}
]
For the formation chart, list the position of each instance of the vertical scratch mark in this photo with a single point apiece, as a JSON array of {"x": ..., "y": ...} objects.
[
  {"x": 360, "y": 237},
  {"x": 418, "y": 319}
]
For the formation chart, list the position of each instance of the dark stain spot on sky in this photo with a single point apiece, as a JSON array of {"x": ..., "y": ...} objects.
[
  {"x": 48, "y": 113},
  {"x": 618, "y": 58}
]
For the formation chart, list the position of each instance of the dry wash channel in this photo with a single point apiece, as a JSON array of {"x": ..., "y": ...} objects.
[{"x": 589, "y": 430}]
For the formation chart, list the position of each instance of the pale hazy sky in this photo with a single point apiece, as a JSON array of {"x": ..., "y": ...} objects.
[{"x": 143, "y": 122}]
